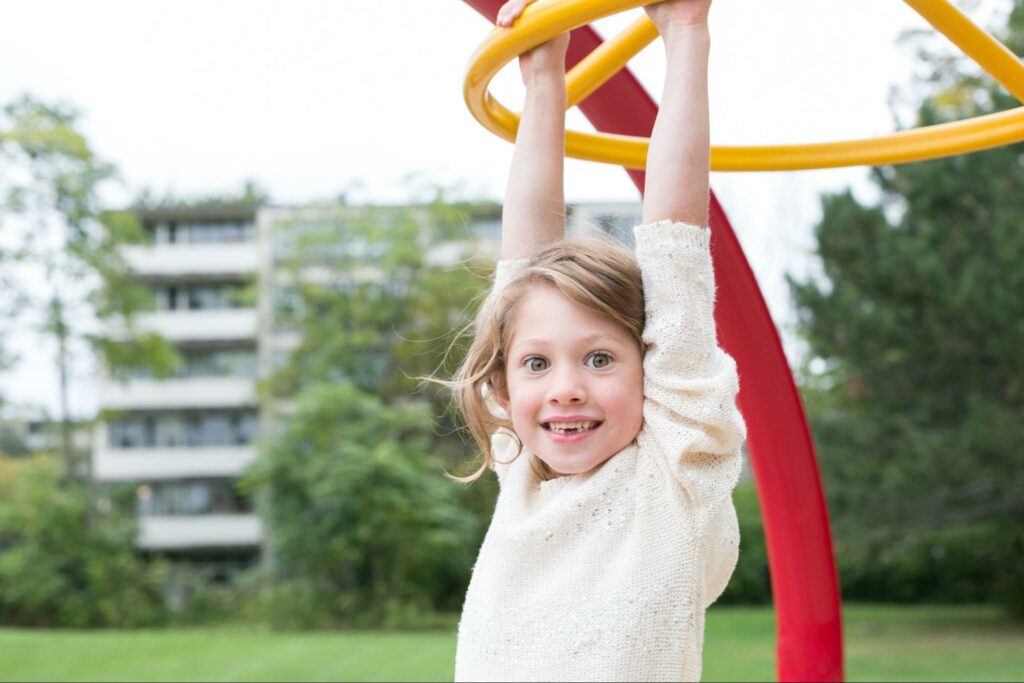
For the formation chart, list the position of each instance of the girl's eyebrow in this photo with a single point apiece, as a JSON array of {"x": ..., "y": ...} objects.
[{"x": 589, "y": 339}]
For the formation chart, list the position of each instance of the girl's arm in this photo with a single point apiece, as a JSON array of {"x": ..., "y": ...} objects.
[
  {"x": 690, "y": 384},
  {"x": 534, "y": 210},
  {"x": 678, "y": 158}
]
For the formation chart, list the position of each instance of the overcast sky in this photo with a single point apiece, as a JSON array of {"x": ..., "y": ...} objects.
[{"x": 317, "y": 97}]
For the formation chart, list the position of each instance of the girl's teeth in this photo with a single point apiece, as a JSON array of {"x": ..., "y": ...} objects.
[{"x": 569, "y": 426}]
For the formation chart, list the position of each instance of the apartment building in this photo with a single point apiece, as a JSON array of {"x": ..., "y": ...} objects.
[
  {"x": 182, "y": 441},
  {"x": 608, "y": 219}
]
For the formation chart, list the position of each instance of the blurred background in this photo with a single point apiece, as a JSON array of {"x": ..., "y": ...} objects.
[{"x": 234, "y": 239}]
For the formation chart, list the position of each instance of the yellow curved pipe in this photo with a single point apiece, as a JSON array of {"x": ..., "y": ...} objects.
[
  {"x": 548, "y": 18},
  {"x": 986, "y": 51},
  {"x": 606, "y": 61}
]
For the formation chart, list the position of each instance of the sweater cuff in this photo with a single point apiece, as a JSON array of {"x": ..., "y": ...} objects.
[
  {"x": 505, "y": 271},
  {"x": 656, "y": 238}
]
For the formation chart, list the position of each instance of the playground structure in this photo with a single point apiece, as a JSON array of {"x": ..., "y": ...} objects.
[{"x": 803, "y": 573}]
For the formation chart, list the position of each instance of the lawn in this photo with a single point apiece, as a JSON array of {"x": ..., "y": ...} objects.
[{"x": 882, "y": 643}]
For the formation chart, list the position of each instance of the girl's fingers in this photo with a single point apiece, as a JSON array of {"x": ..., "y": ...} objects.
[{"x": 510, "y": 11}]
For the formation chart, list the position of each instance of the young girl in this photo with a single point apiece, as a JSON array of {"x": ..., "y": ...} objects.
[{"x": 598, "y": 394}]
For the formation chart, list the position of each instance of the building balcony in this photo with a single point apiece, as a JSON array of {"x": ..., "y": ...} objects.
[
  {"x": 153, "y": 464},
  {"x": 199, "y": 531},
  {"x": 177, "y": 394},
  {"x": 186, "y": 261},
  {"x": 231, "y": 324}
]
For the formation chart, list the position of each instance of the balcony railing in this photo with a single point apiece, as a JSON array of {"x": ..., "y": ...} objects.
[
  {"x": 202, "y": 326},
  {"x": 193, "y": 392},
  {"x": 199, "y": 531},
  {"x": 192, "y": 260},
  {"x": 142, "y": 464}
]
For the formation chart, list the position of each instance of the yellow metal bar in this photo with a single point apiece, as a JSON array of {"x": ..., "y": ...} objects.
[
  {"x": 606, "y": 61},
  {"x": 989, "y": 53},
  {"x": 541, "y": 21},
  {"x": 931, "y": 142},
  {"x": 548, "y": 18}
]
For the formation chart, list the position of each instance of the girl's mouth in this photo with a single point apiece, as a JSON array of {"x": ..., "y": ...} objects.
[{"x": 564, "y": 432}]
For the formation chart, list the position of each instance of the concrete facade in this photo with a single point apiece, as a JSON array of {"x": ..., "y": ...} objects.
[{"x": 182, "y": 441}]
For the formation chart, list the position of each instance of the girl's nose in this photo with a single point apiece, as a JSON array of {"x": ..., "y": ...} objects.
[{"x": 567, "y": 387}]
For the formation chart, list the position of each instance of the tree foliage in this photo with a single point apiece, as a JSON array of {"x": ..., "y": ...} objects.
[
  {"x": 375, "y": 293},
  {"x": 365, "y": 530},
  {"x": 916, "y": 396},
  {"x": 67, "y": 556},
  {"x": 60, "y": 262},
  {"x": 64, "y": 564},
  {"x": 362, "y": 522}
]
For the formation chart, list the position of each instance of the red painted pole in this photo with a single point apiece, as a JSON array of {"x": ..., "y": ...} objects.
[{"x": 805, "y": 585}]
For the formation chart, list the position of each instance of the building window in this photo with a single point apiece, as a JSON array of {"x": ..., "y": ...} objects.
[
  {"x": 222, "y": 362},
  {"x": 208, "y": 233},
  {"x": 240, "y": 362},
  {"x": 127, "y": 433},
  {"x": 188, "y": 497},
  {"x": 192, "y": 429},
  {"x": 174, "y": 232},
  {"x": 199, "y": 297}
]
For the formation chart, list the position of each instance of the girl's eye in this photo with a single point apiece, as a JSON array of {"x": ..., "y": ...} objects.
[
  {"x": 599, "y": 361},
  {"x": 535, "y": 364}
]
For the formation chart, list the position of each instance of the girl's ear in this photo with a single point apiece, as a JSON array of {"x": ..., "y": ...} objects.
[{"x": 500, "y": 388}]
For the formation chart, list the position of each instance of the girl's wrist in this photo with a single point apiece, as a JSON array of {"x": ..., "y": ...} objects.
[
  {"x": 545, "y": 79},
  {"x": 687, "y": 39},
  {"x": 685, "y": 30}
]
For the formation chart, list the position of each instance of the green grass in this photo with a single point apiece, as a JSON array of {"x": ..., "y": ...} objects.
[{"x": 882, "y": 643}]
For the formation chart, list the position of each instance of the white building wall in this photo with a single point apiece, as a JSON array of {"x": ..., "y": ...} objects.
[
  {"x": 178, "y": 394},
  {"x": 183, "y": 263},
  {"x": 154, "y": 464},
  {"x": 232, "y": 324},
  {"x": 200, "y": 531}
]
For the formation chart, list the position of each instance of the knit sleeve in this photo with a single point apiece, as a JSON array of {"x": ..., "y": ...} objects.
[
  {"x": 504, "y": 271},
  {"x": 690, "y": 384}
]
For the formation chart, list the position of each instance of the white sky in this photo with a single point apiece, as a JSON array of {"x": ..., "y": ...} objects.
[{"x": 311, "y": 98}]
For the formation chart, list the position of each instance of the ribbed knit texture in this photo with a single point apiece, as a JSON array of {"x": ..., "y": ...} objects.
[{"x": 605, "y": 576}]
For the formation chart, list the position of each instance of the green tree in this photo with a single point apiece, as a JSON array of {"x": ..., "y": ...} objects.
[
  {"x": 388, "y": 284},
  {"x": 374, "y": 294},
  {"x": 60, "y": 260},
  {"x": 364, "y": 525},
  {"x": 915, "y": 384},
  {"x": 252, "y": 194},
  {"x": 63, "y": 563}
]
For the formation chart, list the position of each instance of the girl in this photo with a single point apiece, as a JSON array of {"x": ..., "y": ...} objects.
[{"x": 597, "y": 392}]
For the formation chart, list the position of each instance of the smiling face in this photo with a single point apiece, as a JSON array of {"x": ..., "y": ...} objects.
[{"x": 574, "y": 382}]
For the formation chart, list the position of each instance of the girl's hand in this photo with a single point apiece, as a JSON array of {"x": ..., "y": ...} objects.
[
  {"x": 545, "y": 59},
  {"x": 678, "y": 13},
  {"x": 510, "y": 11}
]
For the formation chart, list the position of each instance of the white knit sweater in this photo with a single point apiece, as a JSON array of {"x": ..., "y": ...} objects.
[{"x": 605, "y": 576}]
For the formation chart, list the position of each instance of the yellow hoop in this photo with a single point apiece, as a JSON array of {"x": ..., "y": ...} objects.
[{"x": 546, "y": 19}]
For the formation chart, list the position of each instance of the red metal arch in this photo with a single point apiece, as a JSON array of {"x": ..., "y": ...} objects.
[{"x": 803, "y": 572}]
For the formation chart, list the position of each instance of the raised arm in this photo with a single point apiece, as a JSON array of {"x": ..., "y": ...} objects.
[
  {"x": 534, "y": 210},
  {"x": 678, "y": 159}
]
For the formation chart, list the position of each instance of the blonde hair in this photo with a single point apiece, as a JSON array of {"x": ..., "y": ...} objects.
[{"x": 596, "y": 274}]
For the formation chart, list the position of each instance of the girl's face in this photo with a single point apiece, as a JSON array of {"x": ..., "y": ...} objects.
[{"x": 574, "y": 382}]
